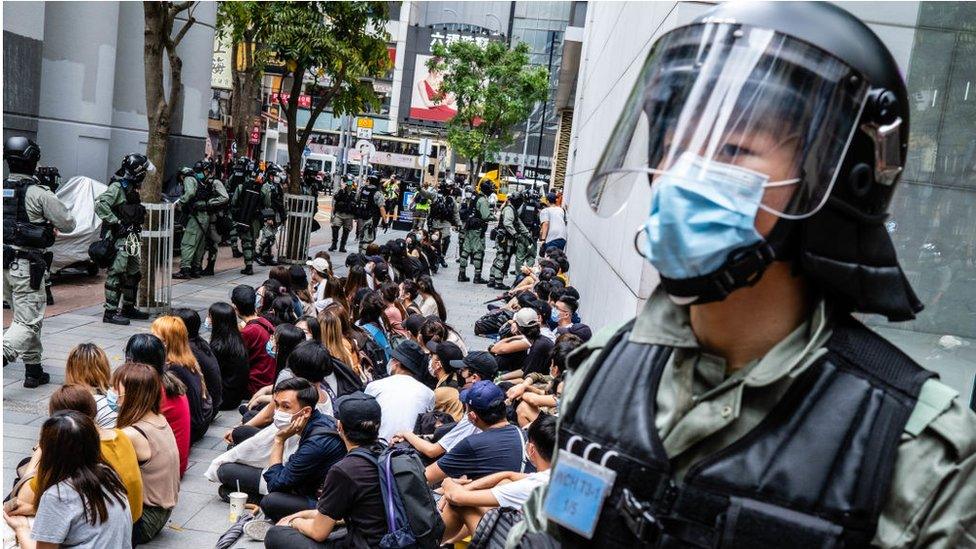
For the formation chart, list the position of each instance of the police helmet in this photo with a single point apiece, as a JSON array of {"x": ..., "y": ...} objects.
[
  {"x": 486, "y": 187},
  {"x": 21, "y": 154},
  {"x": 203, "y": 166},
  {"x": 48, "y": 176},
  {"x": 186, "y": 172},
  {"x": 134, "y": 167},
  {"x": 806, "y": 81}
]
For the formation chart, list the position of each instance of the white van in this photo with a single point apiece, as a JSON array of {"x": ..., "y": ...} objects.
[{"x": 320, "y": 162}]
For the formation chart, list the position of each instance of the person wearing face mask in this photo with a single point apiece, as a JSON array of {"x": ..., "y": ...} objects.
[
  {"x": 449, "y": 381},
  {"x": 562, "y": 317},
  {"x": 256, "y": 332},
  {"x": 772, "y": 136}
]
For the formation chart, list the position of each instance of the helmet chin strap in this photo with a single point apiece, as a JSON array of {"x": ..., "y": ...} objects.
[{"x": 743, "y": 267}]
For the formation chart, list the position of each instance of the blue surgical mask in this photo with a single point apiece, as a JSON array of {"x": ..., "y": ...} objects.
[
  {"x": 700, "y": 212},
  {"x": 258, "y": 301},
  {"x": 554, "y": 315},
  {"x": 207, "y": 325},
  {"x": 269, "y": 348}
]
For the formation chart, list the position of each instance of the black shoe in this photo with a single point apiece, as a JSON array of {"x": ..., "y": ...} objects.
[
  {"x": 443, "y": 263},
  {"x": 224, "y": 493},
  {"x": 332, "y": 248},
  {"x": 183, "y": 274},
  {"x": 236, "y": 253},
  {"x": 342, "y": 249},
  {"x": 195, "y": 272},
  {"x": 50, "y": 296},
  {"x": 33, "y": 382},
  {"x": 113, "y": 317},
  {"x": 479, "y": 280},
  {"x": 247, "y": 270},
  {"x": 462, "y": 277},
  {"x": 129, "y": 311},
  {"x": 209, "y": 271}
]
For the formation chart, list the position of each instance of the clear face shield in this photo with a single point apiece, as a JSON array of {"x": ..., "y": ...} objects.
[{"x": 750, "y": 113}]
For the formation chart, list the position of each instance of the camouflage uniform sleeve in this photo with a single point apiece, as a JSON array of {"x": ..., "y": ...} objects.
[
  {"x": 220, "y": 194},
  {"x": 56, "y": 212},
  {"x": 507, "y": 222},
  {"x": 932, "y": 502},
  {"x": 189, "y": 190},
  {"x": 105, "y": 201},
  {"x": 484, "y": 211}
]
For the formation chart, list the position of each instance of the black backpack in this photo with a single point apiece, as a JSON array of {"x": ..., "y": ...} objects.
[
  {"x": 372, "y": 354},
  {"x": 411, "y": 513},
  {"x": 493, "y": 528},
  {"x": 492, "y": 322}
]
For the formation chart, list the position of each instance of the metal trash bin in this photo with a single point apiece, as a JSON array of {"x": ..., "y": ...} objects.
[
  {"x": 156, "y": 287},
  {"x": 296, "y": 232}
]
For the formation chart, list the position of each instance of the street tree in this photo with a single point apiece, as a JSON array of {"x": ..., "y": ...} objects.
[
  {"x": 333, "y": 50},
  {"x": 244, "y": 23},
  {"x": 161, "y": 20},
  {"x": 494, "y": 88}
]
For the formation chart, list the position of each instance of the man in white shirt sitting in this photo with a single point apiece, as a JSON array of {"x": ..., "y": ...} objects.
[
  {"x": 400, "y": 395},
  {"x": 466, "y": 501},
  {"x": 553, "y": 231}
]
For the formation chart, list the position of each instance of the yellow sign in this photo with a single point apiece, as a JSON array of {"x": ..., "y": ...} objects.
[{"x": 364, "y": 123}]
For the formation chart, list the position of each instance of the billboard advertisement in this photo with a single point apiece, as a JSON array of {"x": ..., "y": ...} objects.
[{"x": 426, "y": 83}]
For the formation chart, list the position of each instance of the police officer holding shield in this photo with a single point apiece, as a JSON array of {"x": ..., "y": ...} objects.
[
  {"x": 31, "y": 217},
  {"x": 749, "y": 407}
]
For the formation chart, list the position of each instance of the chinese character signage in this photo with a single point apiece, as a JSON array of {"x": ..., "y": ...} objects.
[{"x": 220, "y": 74}]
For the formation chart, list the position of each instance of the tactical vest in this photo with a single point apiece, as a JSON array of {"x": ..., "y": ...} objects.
[
  {"x": 529, "y": 214},
  {"x": 205, "y": 191},
  {"x": 366, "y": 207},
  {"x": 131, "y": 212},
  {"x": 442, "y": 209},
  {"x": 248, "y": 203},
  {"x": 345, "y": 202},
  {"x": 18, "y": 230},
  {"x": 814, "y": 473},
  {"x": 469, "y": 215}
]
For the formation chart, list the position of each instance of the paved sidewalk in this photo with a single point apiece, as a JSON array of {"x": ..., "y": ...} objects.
[{"x": 200, "y": 517}]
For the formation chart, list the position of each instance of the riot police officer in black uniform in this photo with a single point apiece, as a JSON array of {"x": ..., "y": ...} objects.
[
  {"x": 343, "y": 214},
  {"x": 31, "y": 216},
  {"x": 370, "y": 207},
  {"x": 745, "y": 406}
]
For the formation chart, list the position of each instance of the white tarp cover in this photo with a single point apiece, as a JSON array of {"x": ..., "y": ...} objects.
[{"x": 78, "y": 194}]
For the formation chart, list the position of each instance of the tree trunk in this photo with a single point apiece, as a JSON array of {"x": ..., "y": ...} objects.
[
  {"x": 242, "y": 97},
  {"x": 157, "y": 110},
  {"x": 291, "y": 114}
]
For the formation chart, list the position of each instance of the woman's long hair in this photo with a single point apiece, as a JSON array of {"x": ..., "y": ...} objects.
[
  {"x": 313, "y": 327},
  {"x": 171, "y": 330},
  {"x": 71, "y": 452},
  {"x": 225, "y": 336},
  {"x": 354, "y": 281},
  {"x": 282, "y": 311},
  {"x": 335, "y": 340},
  {"x": 141, "y": 387},
  {"x": 371, "y": 311},
  {"x": 287, "y": 337},
  {"x": 149, "y": 349},
  {"x": 88, "y": 365},
  {"x": 426, "y": 286},
  {"x": 391, "y": 294},
  {"x": 335, "y": 288}
]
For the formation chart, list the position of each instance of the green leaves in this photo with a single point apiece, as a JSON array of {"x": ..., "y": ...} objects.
[{"x": 495, "y": 89}]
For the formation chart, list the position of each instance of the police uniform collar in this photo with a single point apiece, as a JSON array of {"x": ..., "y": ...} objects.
[{"x": 662, "y": 322}]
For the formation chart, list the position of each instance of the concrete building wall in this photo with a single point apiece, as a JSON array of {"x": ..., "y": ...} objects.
[
  {"x": 616, "y": 40},
  {"x": 74, "y": 80}
]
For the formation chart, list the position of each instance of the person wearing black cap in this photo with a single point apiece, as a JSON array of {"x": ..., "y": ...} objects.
[
  {"x": 449, "y": 381},
  {"x": 500, "y": 446},
  {"x": 400, "y": 395},
  {"x": 476, "y": 366},
  {"x": 351, "y": 491}
]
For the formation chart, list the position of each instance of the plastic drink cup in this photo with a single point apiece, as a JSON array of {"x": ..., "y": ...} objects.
[{"x": 237, "y": 501}]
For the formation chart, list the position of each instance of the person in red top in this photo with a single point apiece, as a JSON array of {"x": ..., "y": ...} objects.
[
  {"x": 174, "y": 406},
  {"x": 256, "y": 333}
]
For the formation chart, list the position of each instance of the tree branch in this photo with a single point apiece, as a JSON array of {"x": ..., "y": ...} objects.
[
  {"x": 186, "y": 27},
  {"x": 320, "y": 105}
]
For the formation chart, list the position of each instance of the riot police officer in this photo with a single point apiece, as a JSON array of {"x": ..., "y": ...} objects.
[
  {"x": 528, "y": 213},
  {"x": 201, "y": 198},
  {"x": 477, "y": 214},
  {"x": 420, "y": 205},
  {"x": 343, "y": 214},
  {"x": 443, "y": 217},
  {"x": 509, "y": 233},
  {"x": 122, "y": 214},
  {"x": 748, "y": 407},
  {"x": 370, "y": 208},
  {"x": 275, "y": 179},
  {"x": 218, "y": 223},
  {"x": 31, "y": 216},
  {"x": 238, "y": 175},
  {"x": 250, "y": 198},
  {"x": 50, "y": 177}
]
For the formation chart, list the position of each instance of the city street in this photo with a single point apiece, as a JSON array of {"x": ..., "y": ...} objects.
[{"x": 200, "y": 516}]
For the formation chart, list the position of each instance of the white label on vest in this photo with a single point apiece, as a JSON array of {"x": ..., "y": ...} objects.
[
  {"x": 8, "y": 193},
  {"x": 577, "y": 489}
]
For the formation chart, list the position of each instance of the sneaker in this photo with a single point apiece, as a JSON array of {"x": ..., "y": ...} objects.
[
  {"x": 257, "y": 529},
  {"x": 129, "y": 311},
  {"x": 33, "y": 382}
]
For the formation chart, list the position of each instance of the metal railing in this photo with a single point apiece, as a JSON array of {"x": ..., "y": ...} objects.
[
  {"x": 156, "y": 287},
  {"x": 297, "y": 228}
]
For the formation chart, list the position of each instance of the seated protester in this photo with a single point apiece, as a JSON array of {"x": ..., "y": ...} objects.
[
  {"x": 431, "y": 303},
  {"x": 435, "y": 329},
  {"x": 500, "y": 446},
  {"x": 81, "y": 501},
  {"x": 395, "y": 313},
  {"x": 447, "y": 390},
  {"x": 351, "y": 492},
  {"x": 467, "y": 503},
  {"x": 88, "y": 366},
  {"x": 310, "y": 361},
  {"x": 319, "y": 269},
  {"x": 116, "y": 448},
  {"x": 294, "y": 486},
  {"x": 372, "y": 319},
  {"x": 309, "y": 325},
  {"x": 563, "y": 312},
  {"x": 413, "y": 323},
  {"x": 536, "y": 360},
  {"x": 300, "y": 290},
  {"x": 173, "y": 404},
  {"x": 356, "y": 280},
  {"x": 282, "y": 311},
  {"x": 400, "y": 394},
  {"x": 180, "y": 361},
  {"x": 205, "y": 357},
  {"x": 474, "y": 367},
  {"x": 138, "y": 388},
  {"x": 228, "y": 348},
  {"x": 283, "y": 275},
  {"x": 255, "y": 333},
  {"x": 537, "y": 392},
  {"x": 285, "y": 339},
  {"x": 409, "y": 295},
  {"x": 341, "y": 348}
]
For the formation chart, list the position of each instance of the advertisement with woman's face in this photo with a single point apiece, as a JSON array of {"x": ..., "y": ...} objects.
[{"x": 424, "y": 103}]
